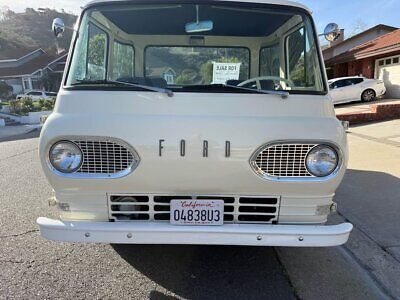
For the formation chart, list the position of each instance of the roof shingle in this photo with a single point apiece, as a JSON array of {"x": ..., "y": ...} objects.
[
  {"x": 387, "y": 43},
  {"x": 30, "y": 67}
]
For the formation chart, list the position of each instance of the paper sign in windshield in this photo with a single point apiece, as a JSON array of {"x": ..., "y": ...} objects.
[{"x": 222, "y": 72}]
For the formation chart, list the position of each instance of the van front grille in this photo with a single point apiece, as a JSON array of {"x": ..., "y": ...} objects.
[
  {"x": 156, "y": 208},
  {"x": 104, "y": 157},
  {"x": 283, "y": 160}
]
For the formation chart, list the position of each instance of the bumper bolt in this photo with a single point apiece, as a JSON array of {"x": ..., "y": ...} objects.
[
  {"x": 129, "y": 235},
  {"x": 334, "y": 207},
  {"x": 87, "y": 234},
  {"x": 301, "y": 239},
  {"x": 259, "y": 238}
]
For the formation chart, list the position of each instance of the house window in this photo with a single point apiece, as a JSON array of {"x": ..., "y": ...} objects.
[
  {"x": 388, "y": 61},
  {"x": 396, "y": 60},
  {"x": 169, "y": 78},
  {"x": 381, "y": 62}
]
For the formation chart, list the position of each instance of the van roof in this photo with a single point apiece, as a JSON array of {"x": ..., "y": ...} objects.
[{"x": 276, "y": 2}]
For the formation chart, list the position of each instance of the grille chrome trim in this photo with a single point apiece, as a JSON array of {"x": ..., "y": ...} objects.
[
  {"x": 103, "y": 158},
  {"x": 155, "y": 208},
  {"x": 286, "y": 161}
]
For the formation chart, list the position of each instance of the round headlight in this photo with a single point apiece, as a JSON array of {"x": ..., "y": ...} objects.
[
  {"x": 65, "y": 157},
  {"x": 322, "y": 160}
]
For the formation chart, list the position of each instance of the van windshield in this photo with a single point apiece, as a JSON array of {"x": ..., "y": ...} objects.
[{"x": 197, "y": 48}]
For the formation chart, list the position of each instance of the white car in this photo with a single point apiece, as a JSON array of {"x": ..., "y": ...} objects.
[
  {"x": 349, "y": 89},
  {"x": 245, "y": 152},
  {"x": 37, "y": 95}
]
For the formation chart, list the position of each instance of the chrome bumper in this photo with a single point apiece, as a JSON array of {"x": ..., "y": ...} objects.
[{"x": 164, "y": 233}]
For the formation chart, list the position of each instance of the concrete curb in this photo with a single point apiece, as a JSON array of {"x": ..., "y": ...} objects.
[
  {"x": 378, "y": 112},
  {"x": 379, "y": 265}
]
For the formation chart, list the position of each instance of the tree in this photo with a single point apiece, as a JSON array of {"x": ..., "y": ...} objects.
[
  {"x": 17, "y": 30},
  {"x": 358, "y": 26},
  {"x": 96, "y": 57},
  {"x": 5, "y": 90}
]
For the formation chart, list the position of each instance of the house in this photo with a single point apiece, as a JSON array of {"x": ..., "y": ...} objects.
[
  {"x": 167, "y": 73},
  {"x": 36, "y": 69},
  {"x": 343, "y": 45},
  {"x": 378, "y": 58}
]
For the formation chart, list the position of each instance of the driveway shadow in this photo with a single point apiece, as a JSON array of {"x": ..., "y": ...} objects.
[
  {"x": 371, "y": 200},
  {"x": 210, "y": 272},
  {"x": 30, "y": 135}
]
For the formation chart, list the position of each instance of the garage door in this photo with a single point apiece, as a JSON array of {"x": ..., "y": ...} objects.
[{"x": 389, "y": 72}]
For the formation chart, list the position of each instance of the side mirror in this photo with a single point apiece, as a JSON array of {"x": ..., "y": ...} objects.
[
  {"x": 58, "y": 27},
  {"x": 332, "y": 32}
]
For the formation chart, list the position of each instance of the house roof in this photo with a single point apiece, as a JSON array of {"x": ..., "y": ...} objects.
[
  {"x": 384, "y": 44},
  {"x": 32, "y": 66},
  {"x": 161, "y": 71},
  {"x": 22, "y": 54},
  {"x": 13, "y": 53},
  {"x": 377, "y": 27}
]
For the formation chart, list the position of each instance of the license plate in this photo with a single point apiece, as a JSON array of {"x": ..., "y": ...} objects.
[{"x": 197, "y": 212}]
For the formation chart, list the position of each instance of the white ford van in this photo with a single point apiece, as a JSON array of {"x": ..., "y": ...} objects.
[{"x": 194, "y": 122}]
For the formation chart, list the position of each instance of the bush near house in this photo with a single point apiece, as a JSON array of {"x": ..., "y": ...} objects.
[{"x": 24, "y": 106}]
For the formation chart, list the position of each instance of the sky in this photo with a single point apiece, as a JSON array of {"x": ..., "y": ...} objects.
[{"x": 349, "y": 14}]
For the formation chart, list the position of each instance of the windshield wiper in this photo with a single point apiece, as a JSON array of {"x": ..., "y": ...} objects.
[
  {"x": 168, "y": 92},
  {"x": 283, "y": 94}
]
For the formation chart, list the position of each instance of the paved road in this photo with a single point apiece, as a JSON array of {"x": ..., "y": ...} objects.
[
  {"x": 31, "y": 267},
  {"x": 367, "y": 267}
]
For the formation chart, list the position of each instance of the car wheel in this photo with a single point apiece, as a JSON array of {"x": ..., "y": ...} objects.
[{"x": 368, "y": 95}]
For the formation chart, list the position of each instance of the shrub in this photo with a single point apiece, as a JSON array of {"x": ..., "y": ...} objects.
[
  {"x": 26, "y": 105},
  {"x": 15, "y": 107},
  {"x": 41, "y": 103},
  {"x": 48, "y": 104}
]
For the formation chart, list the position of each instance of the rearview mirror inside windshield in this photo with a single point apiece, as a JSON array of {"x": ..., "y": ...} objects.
[{"x": 200, "y": 26}]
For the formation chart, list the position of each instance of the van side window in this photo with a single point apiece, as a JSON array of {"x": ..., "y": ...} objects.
[
  {"x": 123, "y": 61},
  {"x": 96, "y": 53},
  {"x": 270, "y": 61},
  {"x": 300, "y": 64},
  {"x": 296, "y": 70}
]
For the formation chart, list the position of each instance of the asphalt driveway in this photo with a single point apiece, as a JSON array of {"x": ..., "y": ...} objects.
[
  {"x": 31, "y": 267},
  {"x": 367, "y": 267}
]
